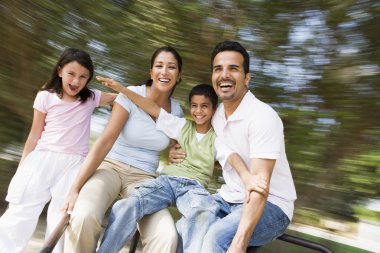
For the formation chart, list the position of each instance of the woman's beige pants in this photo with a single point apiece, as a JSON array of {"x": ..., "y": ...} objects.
[{"x": 112, "y": 178}]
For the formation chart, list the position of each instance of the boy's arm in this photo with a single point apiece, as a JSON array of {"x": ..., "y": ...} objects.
[{"x": 148, "y": 105}]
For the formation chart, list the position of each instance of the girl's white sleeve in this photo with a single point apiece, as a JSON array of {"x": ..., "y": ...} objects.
[{"x": 169, "y": 124}]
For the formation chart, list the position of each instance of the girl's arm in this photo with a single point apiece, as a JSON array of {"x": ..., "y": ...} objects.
[
  {"x": 107, "y": 98},
  {"x": 98, "y": 152},
  {"x": 34, "y": 134},
  {"x": 148, "y": 105}
]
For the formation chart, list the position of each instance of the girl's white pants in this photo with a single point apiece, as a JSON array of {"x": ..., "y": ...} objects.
[{"x": 43, "y": 176}]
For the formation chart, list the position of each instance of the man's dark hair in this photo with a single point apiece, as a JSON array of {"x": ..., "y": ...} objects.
[{"x": 231, "y": 46}]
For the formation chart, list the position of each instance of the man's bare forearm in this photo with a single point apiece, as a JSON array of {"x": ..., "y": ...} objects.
[{"x": 250, "y": 216}]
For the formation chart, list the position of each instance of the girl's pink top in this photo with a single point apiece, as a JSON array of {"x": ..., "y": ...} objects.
[{"x": 67, "y": 124}]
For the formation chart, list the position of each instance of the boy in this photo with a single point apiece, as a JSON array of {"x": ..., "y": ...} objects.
[{"x": 182, "y": 184}]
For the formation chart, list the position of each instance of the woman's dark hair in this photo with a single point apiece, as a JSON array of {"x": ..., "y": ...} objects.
[
  {"x": 231, "y": 46},
  {"x": 54, "y": 84},
  {"x": 205, "y": 90},
  {"x": 176, "y": 56}
]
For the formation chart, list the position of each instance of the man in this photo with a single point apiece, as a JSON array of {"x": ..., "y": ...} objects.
[{"x": 253, "y": 130}]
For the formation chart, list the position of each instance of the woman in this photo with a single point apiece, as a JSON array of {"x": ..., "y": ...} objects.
[{"x": 133, "y": 144}]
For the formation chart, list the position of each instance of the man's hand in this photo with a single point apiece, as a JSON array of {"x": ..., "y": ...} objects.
[
  {"x": 254, "y": 183},
  {"x": 236, "y": 248},
  {"x": 176, "y": 155}
]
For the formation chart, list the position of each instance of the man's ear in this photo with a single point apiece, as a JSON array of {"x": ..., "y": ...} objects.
[{"x": 247, "y": 79}]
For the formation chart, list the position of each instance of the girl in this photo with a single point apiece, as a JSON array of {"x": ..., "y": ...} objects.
[{"x": 54, "y": 151}]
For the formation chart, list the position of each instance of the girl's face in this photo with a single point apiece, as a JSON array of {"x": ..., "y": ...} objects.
[
  {"x": 164, "y": 72},
  {"x": 74, "y": 79}
]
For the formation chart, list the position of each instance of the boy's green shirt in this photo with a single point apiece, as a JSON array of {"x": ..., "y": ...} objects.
[{"x": 200, "y": 156}]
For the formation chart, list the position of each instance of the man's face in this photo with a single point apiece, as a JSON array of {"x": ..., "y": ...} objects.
[{"x": 228, "y": 78}]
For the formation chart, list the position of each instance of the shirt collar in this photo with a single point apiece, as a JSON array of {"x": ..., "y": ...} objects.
[{"x": 241, "y": 110}]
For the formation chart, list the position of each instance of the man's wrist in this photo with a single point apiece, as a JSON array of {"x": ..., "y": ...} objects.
[{"x": 245, "y": 175}]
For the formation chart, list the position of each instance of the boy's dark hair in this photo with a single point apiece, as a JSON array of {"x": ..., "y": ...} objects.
[
  {"x": 54, "y": 84},
  {"x": 231, "y": 46},
  {"x": 205, "y": 90}
]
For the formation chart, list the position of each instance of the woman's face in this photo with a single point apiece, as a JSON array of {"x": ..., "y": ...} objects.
[{"x": 165, "y": 72}]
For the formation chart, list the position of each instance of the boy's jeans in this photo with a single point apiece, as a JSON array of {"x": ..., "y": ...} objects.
[
  {"x": 192, "y": 200},
  {"x": 272, "y": 224}
]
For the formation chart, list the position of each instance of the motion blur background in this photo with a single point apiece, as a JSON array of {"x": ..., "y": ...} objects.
[{"x": 316, "y": 62}]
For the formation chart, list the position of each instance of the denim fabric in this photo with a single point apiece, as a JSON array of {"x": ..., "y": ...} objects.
[
  {"x": 193, "y": 201},
  {"x": 272, "y": 224}
]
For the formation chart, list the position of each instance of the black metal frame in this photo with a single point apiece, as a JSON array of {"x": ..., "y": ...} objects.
[
  {"x": 134, "y": 242},
  {"x": 56, "y": 234},
  {"x": 304, "y": 243},
  {"x": 285, "y": 237}
]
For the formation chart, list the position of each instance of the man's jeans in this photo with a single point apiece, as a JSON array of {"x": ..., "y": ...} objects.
[
  {"x": 193, "y": 201},
  {"x": 272, "y": 224}
]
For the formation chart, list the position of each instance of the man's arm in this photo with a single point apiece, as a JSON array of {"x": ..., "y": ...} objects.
[
  {"x": 175, "y": 154},
  {"x": 253, "y": 209},
  {"x": 252, "y": 182},
  {"x": 148, "y": 105}
]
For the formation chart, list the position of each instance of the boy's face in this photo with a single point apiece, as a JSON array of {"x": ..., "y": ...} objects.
[{"x": 201, "y": 110}]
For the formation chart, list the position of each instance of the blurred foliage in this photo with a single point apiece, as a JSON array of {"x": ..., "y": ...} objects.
[
  {"x": 365, "y": 214},
  {"x": 6, "y": 174},
  {"x": 316, "y": 62}
]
